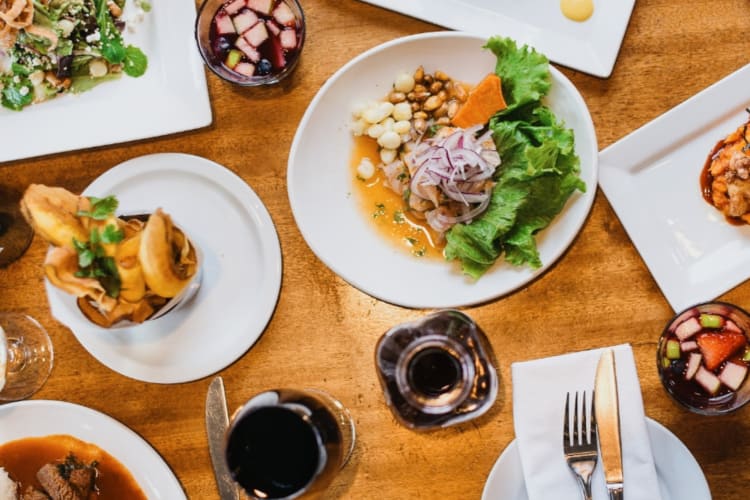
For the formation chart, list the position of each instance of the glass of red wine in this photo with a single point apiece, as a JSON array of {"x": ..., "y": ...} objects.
[
  {"x": 288, "y": 443},
  {"x": 15, "y": 233}
]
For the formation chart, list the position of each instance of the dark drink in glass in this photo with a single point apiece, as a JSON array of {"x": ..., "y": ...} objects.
[
  {"x": 436, "y": 371},
  {"x": 288, "y": 443},
  {"x": 15, "y": 233},
  {"x": 703, "y": 358}
]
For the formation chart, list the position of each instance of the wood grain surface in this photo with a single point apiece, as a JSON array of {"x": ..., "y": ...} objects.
[{"x": 323, "y": 331}]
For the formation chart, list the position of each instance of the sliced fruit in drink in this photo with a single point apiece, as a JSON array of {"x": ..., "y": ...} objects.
[
  {"x": 733, "y": 374},
  {"x": 688, "y": 328},
  {"x": 694, "y": 362},
  {"x": 717, "y": 347},
  {"x": 707, "y": 380},
  {"x": 711, "y": 320},
  {"x": 233, "y": 58},
  {"x": 244, "y": 21}
]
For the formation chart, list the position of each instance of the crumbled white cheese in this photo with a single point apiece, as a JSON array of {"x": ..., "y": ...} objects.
[
  {"x": 23, "y": 90},
  {"x": 93, "y": 37}
]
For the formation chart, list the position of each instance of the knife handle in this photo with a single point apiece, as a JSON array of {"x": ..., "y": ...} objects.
[{"x": 615, "y": 492}]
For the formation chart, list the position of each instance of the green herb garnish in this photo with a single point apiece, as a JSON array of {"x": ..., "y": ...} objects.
[
  {"x": 93, "y": 262},
  {"x": 379, "y": 210},
  {"x": 101, "y": 208}
]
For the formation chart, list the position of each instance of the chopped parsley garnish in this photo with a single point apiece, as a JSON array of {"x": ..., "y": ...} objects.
[{"x": 398, "y": 217}]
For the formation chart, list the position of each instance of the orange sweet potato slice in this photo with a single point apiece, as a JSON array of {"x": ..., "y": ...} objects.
[{"x": 484, "y": 100}]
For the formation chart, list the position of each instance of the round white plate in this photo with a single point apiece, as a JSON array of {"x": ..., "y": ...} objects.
[
  {"x": 43, "y": 418},
  {"x": 241, "y": 273},
  {"x": 679, "y": 475},
  {"x": 320, "y": 180}
]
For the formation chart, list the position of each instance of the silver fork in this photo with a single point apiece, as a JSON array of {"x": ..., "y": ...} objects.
[{"x": 582, "y": 452}]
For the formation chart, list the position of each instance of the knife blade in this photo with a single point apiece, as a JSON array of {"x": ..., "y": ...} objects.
[
  {"x": 607, "y": 413},
  {"x": 217, "y": 420}
]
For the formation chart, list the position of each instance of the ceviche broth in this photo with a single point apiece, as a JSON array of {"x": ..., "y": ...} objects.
[{"x": 380, "y": 203}]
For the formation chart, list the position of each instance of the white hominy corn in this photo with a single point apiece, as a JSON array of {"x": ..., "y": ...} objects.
[
  {"x": 402, "y": 127},
  {"x": 387, "y": 155},
  {"x": 365, "y": 169},
  {"x": 389, "y": 140},
  {"x": 376, "y": 130},
  {"x": 402, "y": 111},
  {"x": 359, "y": 127},
  {"x": 404, "y": 82},
  {"x": 388, "y": 123},
  {"x": 378, "y": 113}
]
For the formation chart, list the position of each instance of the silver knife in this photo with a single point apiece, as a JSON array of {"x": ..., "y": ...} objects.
[
  {"x": 607, "y": 412},
  {"x": 217, "y": 420}
]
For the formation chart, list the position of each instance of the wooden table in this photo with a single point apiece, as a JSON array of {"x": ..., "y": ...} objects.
[{"x": 323, "y": 331}]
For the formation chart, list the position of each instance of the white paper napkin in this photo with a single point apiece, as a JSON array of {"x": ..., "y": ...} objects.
[{"x": 539, "y": 389}]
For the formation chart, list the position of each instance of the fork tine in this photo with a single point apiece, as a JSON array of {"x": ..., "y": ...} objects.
[
  {"x": 585, "y": 432},
  {"x": 566, "y": 422},
  {"x": 576, "y": 431}
]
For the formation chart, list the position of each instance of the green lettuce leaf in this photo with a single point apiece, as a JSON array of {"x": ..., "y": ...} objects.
[{"x": 539, "y": 171}]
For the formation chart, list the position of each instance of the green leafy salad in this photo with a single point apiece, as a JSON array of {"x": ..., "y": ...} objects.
[
  {"x": 539, "y": 171},
  {"x": 69, "y": 46}
]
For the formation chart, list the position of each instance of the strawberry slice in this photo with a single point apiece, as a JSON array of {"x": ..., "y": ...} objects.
[{"x": 718, "y": 347}]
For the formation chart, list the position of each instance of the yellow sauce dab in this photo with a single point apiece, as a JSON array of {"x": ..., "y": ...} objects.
[{"x": 577, "y": 10}]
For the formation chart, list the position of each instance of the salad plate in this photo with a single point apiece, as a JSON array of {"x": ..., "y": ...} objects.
[
  {"x": 320, "y": 179},
  {"x": 36, "y": 418},
  {"x": 651, "y": 177},
  {"x": 170, "y": 97},
  {"x": 679, "y": 475},
  {"x": 240, "y": 281},
  {"x": 590, "y": 46}
]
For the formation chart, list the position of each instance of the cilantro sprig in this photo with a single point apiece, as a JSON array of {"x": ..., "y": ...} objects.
[{"x": 93, "y": 261}]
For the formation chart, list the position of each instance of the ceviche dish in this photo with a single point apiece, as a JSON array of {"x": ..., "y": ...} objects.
[
  {"x": 52, "y": 47},
  {"x": 126, "y": 268},
  {"x": 468, "y": 171}
]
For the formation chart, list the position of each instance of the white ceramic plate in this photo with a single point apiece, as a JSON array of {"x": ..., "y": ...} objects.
[
  {"x": 320, "y": 180},
  {"x": 241, "y": 274},
  {"x": 590, "y": 46},
  {"x": 170, "y": 97},
  {"x": 43, "y": 418},
  {"x": 680, "y": 477},
  {"x": 652, "y": 179}
]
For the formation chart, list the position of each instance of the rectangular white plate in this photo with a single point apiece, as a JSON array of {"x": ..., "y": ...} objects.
[
  {"x": 170, "y": 97},
  {"x": 590, "y": 46},
  {"x": 652, "y": 179}
]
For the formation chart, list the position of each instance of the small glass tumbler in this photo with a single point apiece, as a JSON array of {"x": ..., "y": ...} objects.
[
  {"x": 288, "y": 443},
  {"x": 250, "y": 43},
  {"x": 703, "y": 358},
  {"x": 436, "y": 371}
]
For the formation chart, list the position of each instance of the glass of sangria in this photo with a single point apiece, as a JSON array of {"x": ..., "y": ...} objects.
[
  {"x": 703, "y": 358},
  {"x": 250, "y": 42}
]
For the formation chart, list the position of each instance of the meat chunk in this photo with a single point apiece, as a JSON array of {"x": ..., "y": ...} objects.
[
  {"x": 32, "y": 493},
  {"x": 70, "y": 480}
]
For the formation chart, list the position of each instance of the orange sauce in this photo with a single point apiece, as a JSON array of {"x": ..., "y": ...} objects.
[
  {"x": 22, "y": 459},
  {"x": 387, "y": 211}
]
